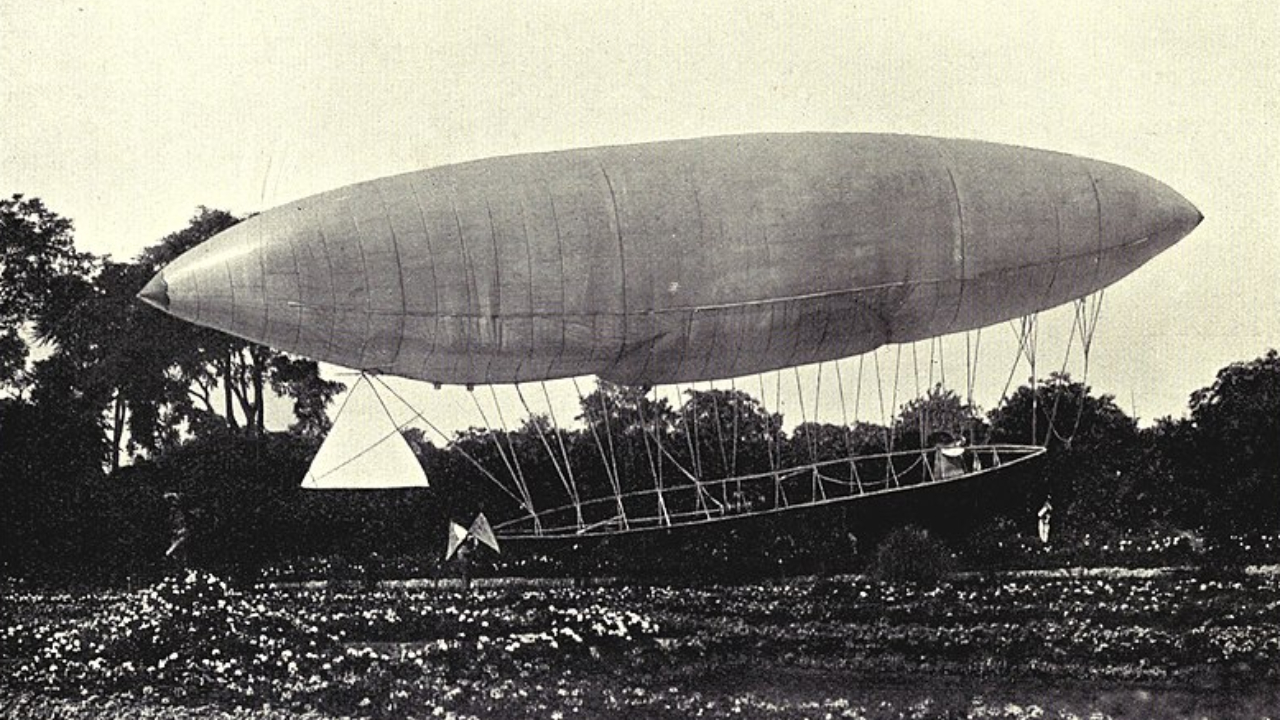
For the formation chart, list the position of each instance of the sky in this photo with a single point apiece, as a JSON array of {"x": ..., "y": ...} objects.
[{"x": 127, "y": 116}]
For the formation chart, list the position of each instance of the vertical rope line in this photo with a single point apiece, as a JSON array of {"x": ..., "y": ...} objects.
[
  {"x": 1086, "y": 344},
  {"x": 1029, "y": 327},
  {"x": 804, "y": 418},
  {"x": 893, "y": 402},
  {"x": 857, "y": 410},
  {"x": 769, "y": 441},
  {"x": 924, "y": 406},
  {"x": 804, "y": 423},
  {"x": 844, "y": 422},
  {"x": 777, "y": 398},
  {"x": 568, "y": 464},
  {"x": 608, "y": 430},
  {"x": 942, "y": 362},
  {"x": 817, "y": 393},
  {"x": 654, "y": 467},
  {"x": 693, "y": 454},
  {"x": 715, "y": 410},
  {"x": 511, "y": 448},
  {"x": 502, "y": 453},
  {"x": 1066, "y": 358},
  {"x": 857, "y": 394},
  {"x": 768, "y": 438},
  {"x": 498, "y": 483},
  {"x": 844, "y": 412},
  {"x": 884, "y": 422},
  {"x": 542, "y": 437},
  {"x": 737, "y": 409},
  {"x": 893, "y": 398},
  {"x": 657, "y": 436},
  {"x": 971, "y": 375},
  {"x": 928, "y": 373},
  {"x": 610, "y": 473},
  {"x": 688, "y": 430},
  {"x": 817, "y": 399}
]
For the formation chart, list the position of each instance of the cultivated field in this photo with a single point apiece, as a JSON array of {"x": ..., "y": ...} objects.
[{"x": 1103, "y": 643}]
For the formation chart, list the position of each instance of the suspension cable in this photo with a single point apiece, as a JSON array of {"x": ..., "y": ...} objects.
[
  {"x": 804, "y": 419},
  {"x": 1086, "y": 318},
  {"x": 570, "y": 489},
  {"x": 610, "y": 472},
  {"x": 688, "y": 429},
  {"x": 518, "y": 473},
  {"x": 971, "y": 374},
  {"x": 555, "y": 424},
  {"x": 737, "y": 410},
  {"x": 654, "y": 467},
  {"x": 525, "y": 503},
  {"x": 715, "y": 410},
  {"x": 884, "y": 423}
]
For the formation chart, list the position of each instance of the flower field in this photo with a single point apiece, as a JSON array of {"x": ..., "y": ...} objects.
[{"x": 1007, "y": 646}]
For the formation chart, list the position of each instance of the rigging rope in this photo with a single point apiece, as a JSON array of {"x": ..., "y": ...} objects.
[
  {"x": 570, "y": 489},
  {"x": 654, "y": 467},
  {"x": 971, "y": 375},
  {"x": 715, "y": 410},
  {"x": 610, "y": 472},
  {"x": 417, "y": 415},
  {"x": 737, "y": 409},
  {"x": 517, "y": 474},
  {"x": 1086, "y": 320},
  {"x": 396, "y": 427},
  {"x": 564, "y": 453}
]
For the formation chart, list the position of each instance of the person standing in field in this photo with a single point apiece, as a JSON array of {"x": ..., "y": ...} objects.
[
  {"x": 1045, "y": 515},
  {"x": 179, "y": 532}
]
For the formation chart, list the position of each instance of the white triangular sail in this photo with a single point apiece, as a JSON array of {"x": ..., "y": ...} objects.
[
  {"x": 457, "y": 536},
  {"x": 481, "y": 530},
  {"x": 364, "y": 449}
]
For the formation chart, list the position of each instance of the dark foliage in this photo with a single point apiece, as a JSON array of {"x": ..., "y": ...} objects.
[
  {"x": 912, "y": 554},
  {"x": 131, "y": 419}
]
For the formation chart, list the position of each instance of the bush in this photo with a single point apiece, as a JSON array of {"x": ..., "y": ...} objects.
[
  {"x": 189, "y": 631},
  {"x": 911, "y": 554}
]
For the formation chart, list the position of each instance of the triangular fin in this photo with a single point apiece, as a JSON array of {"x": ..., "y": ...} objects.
[
  {"x": 457, "y": 535},
  {"x": 364, "y": 449},
  {"x": 481, "y": 531}
]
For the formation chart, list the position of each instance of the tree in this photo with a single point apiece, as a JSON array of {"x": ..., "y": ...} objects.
[
  {"x": 1235, "y": 432},
  {"x": 300, "y": 380},
  {"x": 225, "y": 379},
  {"x": 37, "y": 255},
  {"x": 1094, "y": 454},
  {"x": 938, "y": 415},
  {"x": 817, "y": 442},
  {"x": 725, "y": 433},
  {"x": 632, "y": 428}
]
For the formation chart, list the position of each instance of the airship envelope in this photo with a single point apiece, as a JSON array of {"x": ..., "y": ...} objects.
[{"x": 673, "y": 261}]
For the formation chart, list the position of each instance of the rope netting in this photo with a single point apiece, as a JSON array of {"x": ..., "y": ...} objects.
[{"x": 641, "y": 459}]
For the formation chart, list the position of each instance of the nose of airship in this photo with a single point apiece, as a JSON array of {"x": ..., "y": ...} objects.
[
  {"x": 217, "y": 283},
  {"x": 1139, "y": 217},
  {"x": 1139, "y": 210},
  {"x": 156, "y": 293}
]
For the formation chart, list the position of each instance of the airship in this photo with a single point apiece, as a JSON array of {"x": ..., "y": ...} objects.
[{"x": 674, "y": 261}]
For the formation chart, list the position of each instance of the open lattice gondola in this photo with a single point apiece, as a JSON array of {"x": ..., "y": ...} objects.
[{"x": 805, "y": 486}]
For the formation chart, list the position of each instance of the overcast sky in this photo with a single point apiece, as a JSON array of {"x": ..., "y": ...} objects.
[{"x": 126, "y": 116}]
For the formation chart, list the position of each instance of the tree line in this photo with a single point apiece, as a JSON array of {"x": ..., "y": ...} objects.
[{"x": 114, "y": 417}]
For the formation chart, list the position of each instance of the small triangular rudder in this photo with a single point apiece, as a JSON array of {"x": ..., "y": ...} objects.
[
  {"x": 457, "y": 536},
  {"x": 481, "y": 531}
]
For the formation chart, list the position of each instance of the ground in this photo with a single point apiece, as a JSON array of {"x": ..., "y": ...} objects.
[{"x": 1069, "y": 644}]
